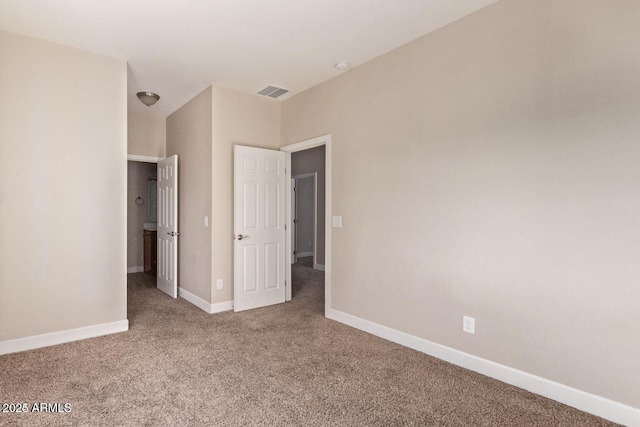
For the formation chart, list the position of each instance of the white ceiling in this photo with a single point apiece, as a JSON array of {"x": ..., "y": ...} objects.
[{"x": 177, "y": 48}]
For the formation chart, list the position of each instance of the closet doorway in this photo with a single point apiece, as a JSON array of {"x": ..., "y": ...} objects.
[{"x": 304, "y": 206}]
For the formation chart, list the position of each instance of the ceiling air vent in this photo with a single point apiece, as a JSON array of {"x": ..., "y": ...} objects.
[{"x": 272, "y": 91}]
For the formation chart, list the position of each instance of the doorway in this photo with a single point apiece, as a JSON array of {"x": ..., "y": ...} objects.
[
  {"x": 141, "y": 221},
  {"x": 322, "y": 243},
  {"x": 304, "y": 207}
]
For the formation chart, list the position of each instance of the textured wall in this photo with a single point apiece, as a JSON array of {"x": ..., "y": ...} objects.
[
  {"x": 147, "y": 133},
  {"x": 189, "y": 136},
  {"x": 63, "y": 192},
  {"x": 491, "y": 169}
]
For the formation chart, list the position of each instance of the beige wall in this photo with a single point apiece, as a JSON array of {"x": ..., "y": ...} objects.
[
  {"x": 189, "y": 136},
  {"x": 146, "y": 133},
  {"x": 491, "y": 169},
  {"x": 308, "y": 161},
  {"x": 243, "y": 119},
  {"x": 203, "y": 133},
  {"x": 138, "y": 176},
  {"x": 63, "y": 193}
]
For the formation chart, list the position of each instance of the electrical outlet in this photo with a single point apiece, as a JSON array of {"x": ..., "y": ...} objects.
[
  {"x": 219, "y": 284},
  {"x": 469, "y": 324}
]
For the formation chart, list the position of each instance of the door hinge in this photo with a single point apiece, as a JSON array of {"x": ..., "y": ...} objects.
[
  {"x": 285, "y": 227},
  {"x": 294, "y": 252}
]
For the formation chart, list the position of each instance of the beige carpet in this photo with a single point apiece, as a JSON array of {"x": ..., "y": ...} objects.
[
  {"x": 284, "y": 365},
  {"x": 306, "y": 261}
]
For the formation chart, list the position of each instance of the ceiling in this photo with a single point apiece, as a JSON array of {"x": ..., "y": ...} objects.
[{"x": 177, "y": 48}]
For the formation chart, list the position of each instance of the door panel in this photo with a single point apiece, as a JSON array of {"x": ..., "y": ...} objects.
[
  {"x": 259, "y": 227},
  {"x": 167, "y": 280}
]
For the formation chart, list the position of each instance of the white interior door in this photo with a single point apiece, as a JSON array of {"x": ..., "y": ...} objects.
[
  {"x": 259, "y": 227},
  {"x": 168, "y": 226}
]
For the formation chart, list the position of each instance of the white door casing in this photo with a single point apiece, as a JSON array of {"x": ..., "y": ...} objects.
[
  {"x": 294, "y": 259},
  {"x": 259, "y": 227},
  {"x": 167, "y": 218},
  {"x": 293, "y": 148}
]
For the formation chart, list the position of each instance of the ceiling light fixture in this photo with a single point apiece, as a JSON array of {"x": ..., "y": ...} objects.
[
  {"x": 148, "y": 98},
  {"x": 342, "y": 65}
]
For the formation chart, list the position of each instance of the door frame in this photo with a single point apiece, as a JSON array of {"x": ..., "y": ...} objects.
[
  {"x": 168, "y": 286},
  {"x": 292, "y": 148},
  {"x": 143, "y": 159},
  {"x": 293, "y": 236},
  {"x": 140, "y": 159},
  {"x": 313, "y": 175}
]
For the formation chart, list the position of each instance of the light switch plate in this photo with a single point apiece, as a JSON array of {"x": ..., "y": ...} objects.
[
  {"x": 219, "y": 284},
  {"x": 206, "y": 221},
  {"x": 336, "y": 221}
]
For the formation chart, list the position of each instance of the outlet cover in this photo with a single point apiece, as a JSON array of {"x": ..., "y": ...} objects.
[
  {"x": 336, "y": 221},
  {"x": 219, "y": 284},
  {"x": 469, "y": 324}
]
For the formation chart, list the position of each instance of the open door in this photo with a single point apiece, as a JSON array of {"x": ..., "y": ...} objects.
[
  {"x": 259, "y": 227},
  {"x": 168, "y": 226}
]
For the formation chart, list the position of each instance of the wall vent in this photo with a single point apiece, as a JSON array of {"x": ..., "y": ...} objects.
[{"x": 273, "y": 91}]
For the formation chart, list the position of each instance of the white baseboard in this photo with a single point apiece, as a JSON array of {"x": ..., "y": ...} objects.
[
  {"x": 304, "y": 254},
  {"x": 319, "y": 267},
  {"x": 138, "y": 269},
  {"x": 222, "y": 306},
  {"x": 61, "y": 337},
  {"x": 204, "y": 305},
  {"x": 587, "y": 402}
]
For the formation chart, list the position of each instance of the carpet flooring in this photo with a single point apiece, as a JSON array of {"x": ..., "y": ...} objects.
[{"x": 285, "y": 365}]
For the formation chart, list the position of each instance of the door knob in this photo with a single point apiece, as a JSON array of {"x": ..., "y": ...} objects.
[
  {"x": 173, "y": 233},
  {"x": 240, "y": 237}
]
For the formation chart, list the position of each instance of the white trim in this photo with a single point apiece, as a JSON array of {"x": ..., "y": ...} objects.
[
  {"x": 138, "y": 269},
  {"x": 204, "y": 305},
  {"x": 587, "y": 402},
  {"x": 61, "y": 337},
  {"x": 304, "y": 175},
  {"x": 318, "y": 267},
  {"x": 304, "y": 254},
  {"x": 145, "y": 159},
  {"x": 315, "y": 217},
  {"x": 293, "y": 202},
  {"x": 195, "y": 300},
  {"x": 292, "y": 148},
  {"x": 289, "y": 258},
  {"x": 305, "y": 145},
  {"x": 222, "y": 306}
]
